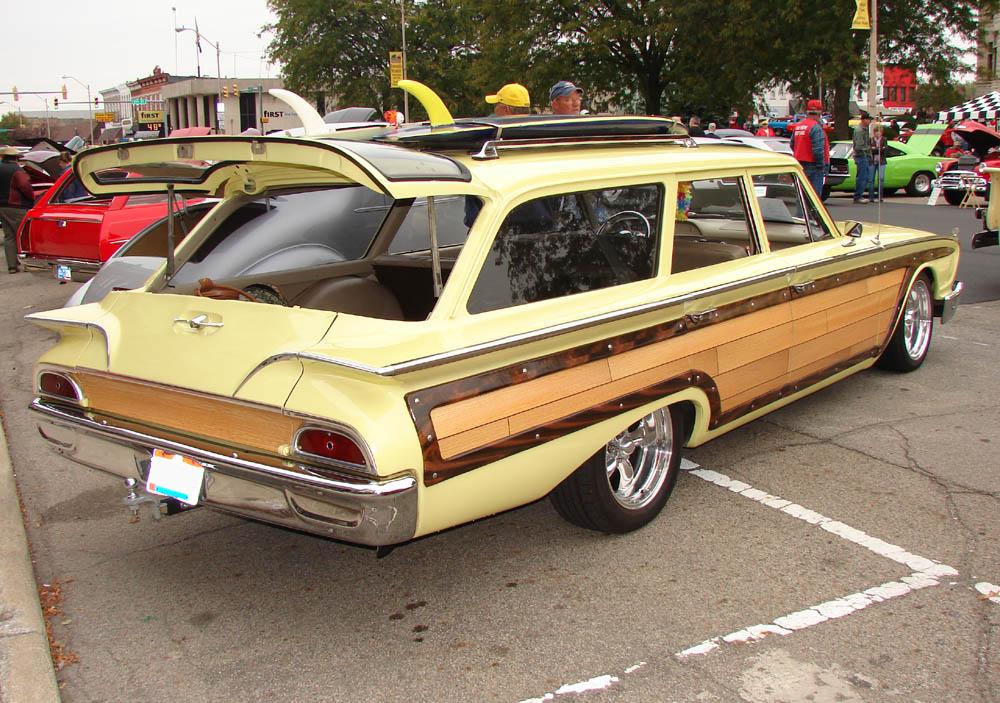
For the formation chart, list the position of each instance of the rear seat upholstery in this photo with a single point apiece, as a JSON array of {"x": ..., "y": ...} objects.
[
  {"x": 353, "y": 295},
  {"x": 692, "y": 250}
]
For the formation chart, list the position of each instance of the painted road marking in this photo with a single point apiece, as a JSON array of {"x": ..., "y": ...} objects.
[{"x": 925, "y": 573}]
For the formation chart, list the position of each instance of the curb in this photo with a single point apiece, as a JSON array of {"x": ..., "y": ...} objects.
[{"x": 26, "y": 671}]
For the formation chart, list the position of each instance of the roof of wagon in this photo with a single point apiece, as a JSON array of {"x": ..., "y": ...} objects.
[{"x": 540, "y": 167}]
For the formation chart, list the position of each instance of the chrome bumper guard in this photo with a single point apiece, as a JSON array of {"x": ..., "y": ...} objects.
[
  {"x": 363, "y": 511},
  {"x": 947, "y": 308}
]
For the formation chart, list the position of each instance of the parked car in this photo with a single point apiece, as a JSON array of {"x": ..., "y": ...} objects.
[
  {"x": 377, "y": 341},
  {"x": 957, "y": 177},
  {"x": 69, "y": 232},
  {"x": 910, "y": 166},
  {"x": 140, "y": 257}
]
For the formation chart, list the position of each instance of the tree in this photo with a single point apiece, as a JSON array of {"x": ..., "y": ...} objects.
[{"x": 11, "y": 120}]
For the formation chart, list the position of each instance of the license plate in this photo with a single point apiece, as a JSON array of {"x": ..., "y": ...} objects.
[
  {"x": 175, "y": 476},
  {"x": 63, "y": 273}
]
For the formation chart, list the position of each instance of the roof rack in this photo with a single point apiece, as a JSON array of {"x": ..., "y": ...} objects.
[
  {"x": 482, "y": 136},
  {"x": 490, "y": 149}
]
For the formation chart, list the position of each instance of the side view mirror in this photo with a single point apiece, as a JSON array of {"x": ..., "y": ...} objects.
[{"x": 852, "y": 231}]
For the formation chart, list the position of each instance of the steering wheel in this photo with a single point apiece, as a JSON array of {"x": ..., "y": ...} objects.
[
  {"x": 619, "y": 220},
  {"x": 207, "y": 288}
]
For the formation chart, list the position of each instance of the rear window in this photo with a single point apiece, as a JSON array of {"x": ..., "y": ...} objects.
[
  {"x": 288, "y": 232},
  {"x": 841, "y": 151}
]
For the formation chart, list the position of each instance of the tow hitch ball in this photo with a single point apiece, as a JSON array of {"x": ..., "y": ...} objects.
[{"x": 158, "y": 505}]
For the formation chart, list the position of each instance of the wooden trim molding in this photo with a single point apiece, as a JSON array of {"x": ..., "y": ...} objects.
[{"x": 744, "y": 356}]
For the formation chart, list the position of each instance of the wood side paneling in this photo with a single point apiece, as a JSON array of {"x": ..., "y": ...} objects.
[
  {"x": 744, "y": 351},
  {"x": 750, "y": 375},
  {"x": 188, "y": 413},
  {"x": 466, "y": 414},
  {"x": 471, "y": 439}
]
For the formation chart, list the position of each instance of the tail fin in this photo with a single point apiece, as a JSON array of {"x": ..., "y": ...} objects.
[{"x": 436, "y": 111}]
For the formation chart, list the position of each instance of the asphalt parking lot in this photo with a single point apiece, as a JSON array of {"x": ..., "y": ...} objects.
[{"x": 842, "y": 549}]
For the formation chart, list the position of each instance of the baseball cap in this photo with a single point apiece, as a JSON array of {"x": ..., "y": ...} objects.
[
  {"x": 814, "y": 106},
  {"x": 513, "y": 94},
  {"x": 864, "y": 115},
  {"x": 563, "y": 88},
  {"x": 9, "y": 151}
]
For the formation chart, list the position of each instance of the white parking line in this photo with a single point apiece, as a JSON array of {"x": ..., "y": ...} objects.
[{"x": 925, "y": 573}]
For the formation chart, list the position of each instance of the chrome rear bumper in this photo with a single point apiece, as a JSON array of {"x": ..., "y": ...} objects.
[
  {"x": 364, "y": 511},
  {"x": 82, "y": 270}
]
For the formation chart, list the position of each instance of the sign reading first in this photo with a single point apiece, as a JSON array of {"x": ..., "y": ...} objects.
[{"x": 149, "y": 116}]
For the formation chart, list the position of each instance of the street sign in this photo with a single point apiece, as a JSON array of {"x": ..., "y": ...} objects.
[
  {"x": 395, "y": 68},
  {"x": 104, "y": 116},
  {"x": 139, "y": 101},
  {"x": 149, "y": 116}
]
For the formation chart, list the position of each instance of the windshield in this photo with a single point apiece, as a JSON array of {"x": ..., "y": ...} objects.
[
  {"x": 289, "y": 231},
  {"x": 841, "y": 150}
]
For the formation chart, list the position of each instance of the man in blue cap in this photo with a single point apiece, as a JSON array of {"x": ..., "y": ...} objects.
[{"x": 565, "y": 98}]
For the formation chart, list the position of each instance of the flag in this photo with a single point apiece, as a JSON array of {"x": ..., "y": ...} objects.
[
  {"x": 197, "y": 35},
  {"x": 861, "y": 18}
]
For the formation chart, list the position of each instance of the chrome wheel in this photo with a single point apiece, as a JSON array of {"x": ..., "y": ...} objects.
[
  {"x": 638, "y": 461},
  {"x": 917, "y": 320}
]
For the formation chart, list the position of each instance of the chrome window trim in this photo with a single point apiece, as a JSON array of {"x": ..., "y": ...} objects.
[{"x": 421, "y": 363}]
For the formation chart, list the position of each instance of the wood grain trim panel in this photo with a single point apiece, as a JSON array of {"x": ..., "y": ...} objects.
[
  {"x": 633, "y": 359},
  {"x": 187, "y": 413}
]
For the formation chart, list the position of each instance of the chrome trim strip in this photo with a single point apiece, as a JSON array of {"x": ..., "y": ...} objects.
[
  {"x": 432, "y": 360},
  {"x": 350, "y": 485},
  {"x": 80, "y": 265}
]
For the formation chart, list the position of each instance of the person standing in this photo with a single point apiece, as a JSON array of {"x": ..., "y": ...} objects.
[
  {"x": 694, "y": 127},
  {"x": 879, "y": 160},
  {"x": 512, "y": 99},
  {"x": 810, "y": 146},
  {"x": 765, "y": 129},
  {"x": 16, "y": 196},
  {"x": 863, "y": 179},
  {"x": 565, "y": 98}
]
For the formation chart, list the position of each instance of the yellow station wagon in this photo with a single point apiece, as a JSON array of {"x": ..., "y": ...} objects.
[{"x": 380, "y": 338}]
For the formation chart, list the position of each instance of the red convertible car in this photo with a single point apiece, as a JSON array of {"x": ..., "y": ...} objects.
[{"x": 69, "y": 233}]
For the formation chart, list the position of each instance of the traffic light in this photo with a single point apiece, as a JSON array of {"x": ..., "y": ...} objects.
[
  {"x": 56, "y": 103},
  {"x": 225, "y": 91},
  {"x": 14, "y": 91},
  {"x": 236, "y": 90},
  {"x": 64, "y": 91},
  {"x": 95, "y": 102}
]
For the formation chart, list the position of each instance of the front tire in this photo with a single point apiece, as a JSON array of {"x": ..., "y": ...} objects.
[
  {"x": 628, "y": 481},
  {"x": 954, "y": 197},
  {"x": 920, "y": 184},
  {"x": 911, "y": 339}
]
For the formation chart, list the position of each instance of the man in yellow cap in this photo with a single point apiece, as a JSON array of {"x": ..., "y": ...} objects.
[{"x": 512, "y": 99}]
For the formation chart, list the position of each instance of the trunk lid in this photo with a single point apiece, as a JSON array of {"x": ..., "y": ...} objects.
[{"x": 206, "y": 345}]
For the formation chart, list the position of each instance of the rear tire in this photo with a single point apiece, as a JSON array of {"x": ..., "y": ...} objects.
[
  {"x": 954, "y": 197},
  {"x": 911, "y": 339},
  {"x": 920, "y": 184},
  {"x": 628, "y": 481}
]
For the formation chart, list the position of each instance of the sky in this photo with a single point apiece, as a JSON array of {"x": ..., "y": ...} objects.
[{"x": 116, "y": 41}]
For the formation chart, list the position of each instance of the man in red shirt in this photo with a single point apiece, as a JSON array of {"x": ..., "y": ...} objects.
[
  {"x": 16, "y": 196},
  {"x": 811, "y": 147},
  {"x": 765, "y": 129}
]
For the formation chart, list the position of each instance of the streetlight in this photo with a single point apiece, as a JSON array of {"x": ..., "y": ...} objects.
[
  {"x": 218, "y": 71},
  {"x": 90, "y": 104}
]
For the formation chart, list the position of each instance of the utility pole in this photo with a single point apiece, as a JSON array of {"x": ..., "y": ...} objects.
[
  {"x": 90, "y": 104},
  {"x": 873, "y": 62},
  {"x": 406, "y": 95}
]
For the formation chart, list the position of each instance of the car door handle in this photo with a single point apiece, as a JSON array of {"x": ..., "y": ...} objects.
[
  {"x": 704, "y": 316},
  {"x": 198, "y": 322},
  {"x": 802, "y": 288}
]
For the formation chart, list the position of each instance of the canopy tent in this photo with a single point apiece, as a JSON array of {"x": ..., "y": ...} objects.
[{"x": 985, "y": 107}]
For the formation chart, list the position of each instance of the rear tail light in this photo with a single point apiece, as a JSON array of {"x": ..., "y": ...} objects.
[
  {"x": 57, "y": 385},
  {"x": 23, "y": 240},
  {"x": 330, "y": 446}
]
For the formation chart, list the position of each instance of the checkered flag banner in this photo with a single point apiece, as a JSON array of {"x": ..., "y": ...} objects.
[{"x": 985, "y": 107}]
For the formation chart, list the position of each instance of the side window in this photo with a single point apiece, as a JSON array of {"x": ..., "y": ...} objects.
[
  {"x": 561, "y": 245},
  {"x": 72, "y": 191},
  {"x": 450, "y": 214},
  {"x": 711, "y": 223},
  {"x": 891, "y": 151},
  {"x": 790, "y": 217}
]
